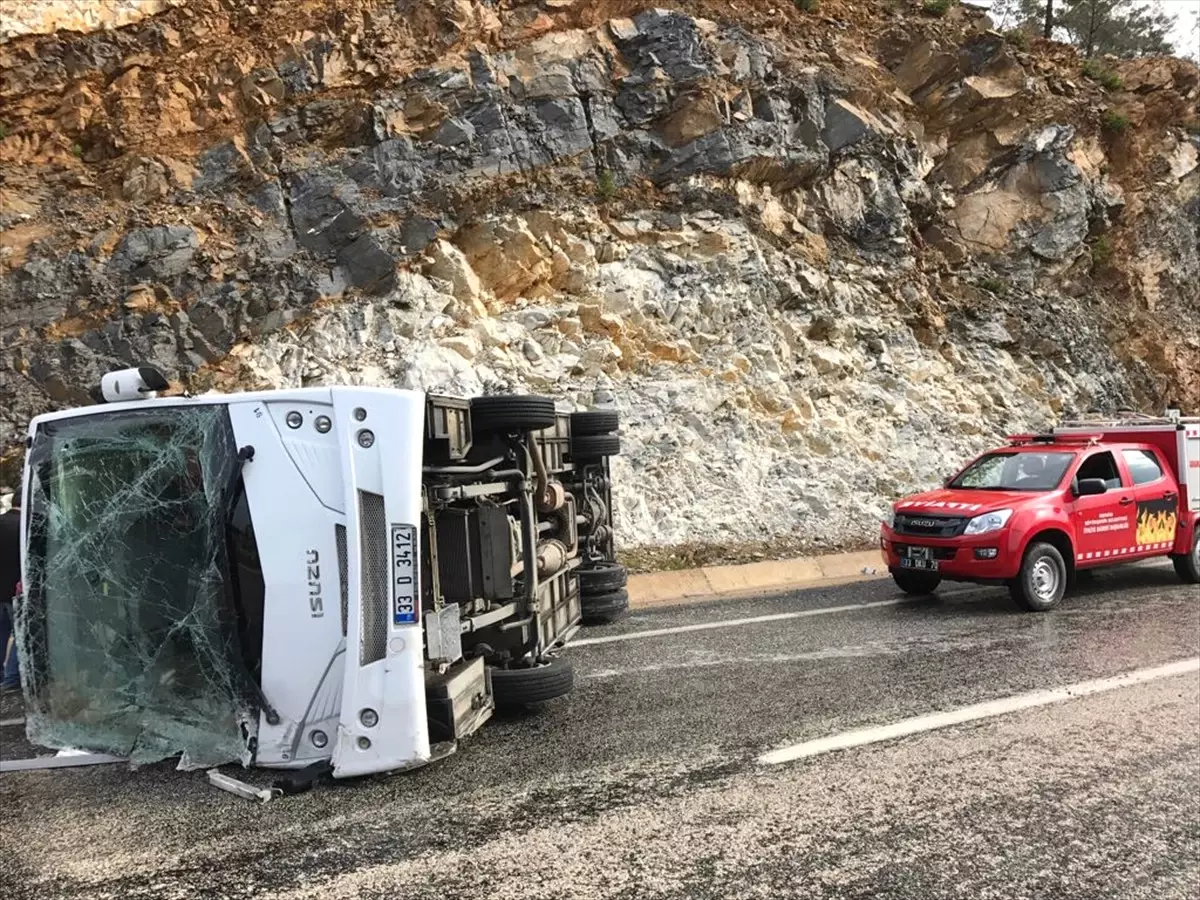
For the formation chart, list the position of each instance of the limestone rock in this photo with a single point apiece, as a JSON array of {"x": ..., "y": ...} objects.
[
  {"x": 449, "y": 264},
  {"x": 846, "y": 124},
  {"x": 506, "y": 256},
  {"x": 693, "y": 118},
  {"x": 157, "y": 253},
  {"x": 145, "y": 181}
]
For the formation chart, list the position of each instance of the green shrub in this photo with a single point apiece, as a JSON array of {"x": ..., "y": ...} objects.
[
  {"x": 76, "y": 150},
  {"x": 1018, "y": 38},
  {"x": 606, "y": 186},
  {"x": 1106, "y": 78},
  {"x": 995, "y": 286},
  {"x": 808, "y": 6},
  {"x": 1102, "y": 251},
  {"x": 1115, "y": 122},
  {"x": 937, "y": 7},
  {"x": 3, "y": 131},
  {"x": 1193, "y": 127}
]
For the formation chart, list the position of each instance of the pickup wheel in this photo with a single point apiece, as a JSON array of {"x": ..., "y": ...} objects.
[
  {"x": 602, "y": 579},
  {"x": 1042, "y": 581},
  {"x": 532, "y": 684},
  {"x": 585, "y": 447},
  {"x": 503, "y": 413},
  {"x": 1187, "y": 566},
  {"x": 917, "y": 584},
  {"x": 603, "y": 609},
  {"x": 594, "y": 421}
]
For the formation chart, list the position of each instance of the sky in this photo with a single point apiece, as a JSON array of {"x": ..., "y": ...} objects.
[{"x": 1185, "y": 12}]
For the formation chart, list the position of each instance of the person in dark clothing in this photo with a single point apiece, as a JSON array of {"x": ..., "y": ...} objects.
[{"x": 10, "y": 577}]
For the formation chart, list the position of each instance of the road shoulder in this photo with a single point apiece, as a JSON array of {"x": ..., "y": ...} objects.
[{"x": 655, "y": 589}]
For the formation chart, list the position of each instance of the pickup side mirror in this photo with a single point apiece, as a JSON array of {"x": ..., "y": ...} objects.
[{"x": 1090, "y": 487}]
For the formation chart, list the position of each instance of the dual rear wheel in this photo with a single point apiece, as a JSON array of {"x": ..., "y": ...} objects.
[
  {"x": 602, "y": 593},
  {"x": 594, "y": 436}
]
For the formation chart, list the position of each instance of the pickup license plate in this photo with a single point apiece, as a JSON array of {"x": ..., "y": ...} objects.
[
  {"x": 919, "y": 558},
  {"x": 405, "y": 608}
]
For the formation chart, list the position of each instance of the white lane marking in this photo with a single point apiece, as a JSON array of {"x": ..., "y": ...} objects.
[
  {"x": 4, "y": 723},
  {"x": 773, "y": 617},
  {"x": 763, "y": 659},
  {"x": 734, "y": 623},
  {"x": 990, "y": 709}
]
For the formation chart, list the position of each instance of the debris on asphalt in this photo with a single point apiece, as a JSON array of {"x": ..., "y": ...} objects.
[{"x": 241, "y": 788}]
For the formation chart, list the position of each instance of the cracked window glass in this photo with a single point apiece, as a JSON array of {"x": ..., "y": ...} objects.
[{"x": 129, "y": 627}]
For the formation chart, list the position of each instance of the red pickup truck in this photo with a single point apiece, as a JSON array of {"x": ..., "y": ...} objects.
[{"x": 1035, "y": 513}]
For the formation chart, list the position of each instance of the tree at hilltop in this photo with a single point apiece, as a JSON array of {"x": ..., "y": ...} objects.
[{"x": 1125, "y": 28}]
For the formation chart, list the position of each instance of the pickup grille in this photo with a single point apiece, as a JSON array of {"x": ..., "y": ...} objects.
[
  {"x": 929, "y": 526},
  {"x": 373, "y": 578},
  {"x": 942, "y": 553}
]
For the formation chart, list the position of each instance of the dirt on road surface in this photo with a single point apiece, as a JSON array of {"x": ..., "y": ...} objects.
[{"x": 649, "y": 781}]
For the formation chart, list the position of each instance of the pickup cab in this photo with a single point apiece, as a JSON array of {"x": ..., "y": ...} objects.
[{"x": 1035, "y": 513}]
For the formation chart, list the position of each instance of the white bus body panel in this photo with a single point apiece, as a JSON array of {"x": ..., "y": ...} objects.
[
  {"x": 393, "y": 687},
  {"x": 297, "y": 548}
]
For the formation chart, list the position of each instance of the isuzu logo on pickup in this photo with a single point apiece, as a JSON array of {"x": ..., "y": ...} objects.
[{"x": 924, "y": 523}]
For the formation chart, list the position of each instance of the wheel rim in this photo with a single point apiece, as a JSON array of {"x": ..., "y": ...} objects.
[
  {"x": 1196, "y": 554},
  {"x": 1045, "y": 579}
]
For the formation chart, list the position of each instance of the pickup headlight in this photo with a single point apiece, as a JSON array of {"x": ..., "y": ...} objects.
[
  {"x": 889, "y": 517},
  {"x": 989, "y": 522}
]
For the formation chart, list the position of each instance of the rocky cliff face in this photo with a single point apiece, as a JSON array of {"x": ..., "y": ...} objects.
[{"x": 820, "y": 257}]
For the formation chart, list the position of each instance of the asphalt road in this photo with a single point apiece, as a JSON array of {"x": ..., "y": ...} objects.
[{"x": 647, "y": 781}]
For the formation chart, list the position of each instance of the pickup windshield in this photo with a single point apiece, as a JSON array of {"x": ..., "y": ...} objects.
[
  {"x": 1015, "y": 471},
  {"x": 128, "y": 621}
]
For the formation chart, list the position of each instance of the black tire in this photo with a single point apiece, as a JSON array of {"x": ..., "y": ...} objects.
[
  {"x": 512, "y": 413},
  {"x": 916, "y": 584},
  {"x": 596, "y": 421},
  {"x": 603, "y": 578},
  {"x": 594, "y": 446},
  {"x": 533, "y": 684},
  {"x": 1188, "y": 567},
  {"x": 602, "y": 609},
  {"x": 1042, "y": 581}
]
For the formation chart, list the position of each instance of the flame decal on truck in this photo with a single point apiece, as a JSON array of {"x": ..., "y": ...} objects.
[{"x": 1156, "y": 522}]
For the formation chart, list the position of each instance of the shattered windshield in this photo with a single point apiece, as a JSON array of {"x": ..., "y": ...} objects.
[{"x": 129, "y": 621}]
